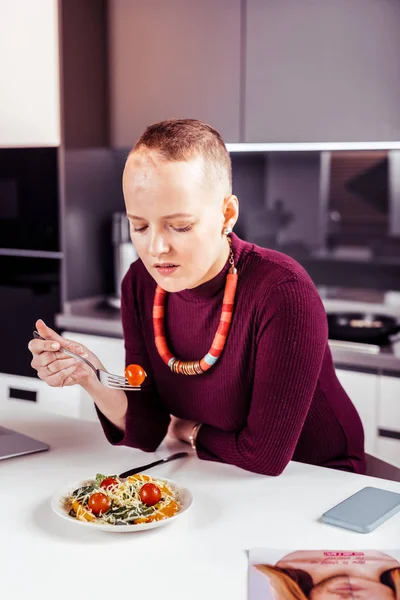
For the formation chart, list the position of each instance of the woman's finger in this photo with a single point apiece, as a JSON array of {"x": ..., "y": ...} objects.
[
  {"x": 49, "y": 334},
  {"x": 39, "y": 346},
  {"x": 60, "y": 365},
  {"x": 57, "y": 379},
  {"x": 50, "y": 358}
]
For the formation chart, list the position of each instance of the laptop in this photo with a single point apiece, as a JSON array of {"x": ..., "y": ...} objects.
[{"x": 17, "y": 444}]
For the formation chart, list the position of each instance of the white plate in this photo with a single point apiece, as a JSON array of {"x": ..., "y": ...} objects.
[{"x": 185, "y": 497}]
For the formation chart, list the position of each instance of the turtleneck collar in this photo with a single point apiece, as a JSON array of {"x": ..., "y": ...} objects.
[{"x": 214, "y": 286}]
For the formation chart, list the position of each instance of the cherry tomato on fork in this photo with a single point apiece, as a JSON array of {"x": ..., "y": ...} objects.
[
  {"x": 99, "y": 503},
  {"x": 135, "y": 374},
  {"x": 108, "y": 483},
  {"x": 150, "y": 494}
]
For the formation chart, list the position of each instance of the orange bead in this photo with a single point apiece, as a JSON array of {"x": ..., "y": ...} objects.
[{"x": 135, "y": 374}]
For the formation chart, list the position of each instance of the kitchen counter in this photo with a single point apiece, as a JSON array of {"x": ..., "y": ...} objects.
[
  {"x": 94, "y": 316},
  {"x": 386, "y": 361},
  {"x": 91, "y": 315},
  {"x": 201, "y": 555}
]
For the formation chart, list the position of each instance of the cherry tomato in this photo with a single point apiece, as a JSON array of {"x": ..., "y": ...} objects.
[
  {"x": 135, "y": 374},
  {"x": 108, "y": 483},
  {"x": 99, "y": 503},
  {"x": 150, "y": 494}
]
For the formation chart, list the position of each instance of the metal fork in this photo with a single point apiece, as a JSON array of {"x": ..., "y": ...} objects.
[{"x": 115, "y": 382}]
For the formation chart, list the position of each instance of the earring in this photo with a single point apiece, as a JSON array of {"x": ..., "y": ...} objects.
[{"x": 227, "y": 230}]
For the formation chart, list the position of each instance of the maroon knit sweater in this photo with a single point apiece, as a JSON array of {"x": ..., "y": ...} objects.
[{"x": 273, "y": 395}]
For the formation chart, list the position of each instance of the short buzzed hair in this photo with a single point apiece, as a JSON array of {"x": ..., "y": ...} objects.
[{"x": 187, "y": 139}]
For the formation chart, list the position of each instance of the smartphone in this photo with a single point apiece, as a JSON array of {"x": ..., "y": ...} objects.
[{"x": 365, "y": 510}]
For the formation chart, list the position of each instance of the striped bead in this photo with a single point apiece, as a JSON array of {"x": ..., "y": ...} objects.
[{"x": 210, "y": 359}]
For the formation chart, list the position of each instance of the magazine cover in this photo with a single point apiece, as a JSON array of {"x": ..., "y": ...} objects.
[{"x": 324, "y": 574}]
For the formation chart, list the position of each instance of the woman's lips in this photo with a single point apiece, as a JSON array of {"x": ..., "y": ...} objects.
[
  {"x": 347, "y": 588},
  {"x": 167, "y": 269}
]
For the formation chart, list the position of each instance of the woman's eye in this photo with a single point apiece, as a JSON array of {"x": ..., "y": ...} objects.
[
  {"x": 178, "y": 229},
  {"x": 182, "y": 229}
]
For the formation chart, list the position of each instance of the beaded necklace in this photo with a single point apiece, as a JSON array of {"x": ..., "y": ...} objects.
[{"x": 196, "y": 367}]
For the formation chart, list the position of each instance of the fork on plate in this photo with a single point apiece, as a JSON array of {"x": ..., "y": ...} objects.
[{"x": 116, "y": 382}]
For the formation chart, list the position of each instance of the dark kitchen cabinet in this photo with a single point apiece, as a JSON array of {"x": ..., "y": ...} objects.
[
  {"x": 174, "y": 59},
  {"x": 322, "y": 71}
]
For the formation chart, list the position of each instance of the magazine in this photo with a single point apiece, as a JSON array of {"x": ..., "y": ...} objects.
[{"x": 324, "y": 574}]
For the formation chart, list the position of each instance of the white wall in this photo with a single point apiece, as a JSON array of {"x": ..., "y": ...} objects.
[{"x": 29, "y": 73}]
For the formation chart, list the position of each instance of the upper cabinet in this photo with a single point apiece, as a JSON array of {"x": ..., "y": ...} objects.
[
  {"x": 322, "y": 71},
  {"x": 257, "y": 70},
  {"x": 174, "y": 59},
  {"x": 29, "y": 67}
]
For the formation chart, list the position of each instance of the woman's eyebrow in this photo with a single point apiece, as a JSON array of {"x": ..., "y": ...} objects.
[
  {"x": 134, "y": 217},
  {"x": 173, "y": 216}
]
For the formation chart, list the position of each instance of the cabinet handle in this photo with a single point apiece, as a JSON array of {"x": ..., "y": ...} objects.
[
  {"x": 16, "y": 394},
  {"x": 389, "y": 433}
]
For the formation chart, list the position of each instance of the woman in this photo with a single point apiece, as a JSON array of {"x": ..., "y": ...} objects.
[
  {"x": 265, "y": 391},
  {"x": 316, "y": 575}
]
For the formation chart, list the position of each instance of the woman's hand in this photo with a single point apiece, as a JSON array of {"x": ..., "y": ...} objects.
[
  {"x": 181, "y": 429},
  {"x": 58, "y": 369}
]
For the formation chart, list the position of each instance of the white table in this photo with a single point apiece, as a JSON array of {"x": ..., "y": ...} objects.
[{"x": 200, "y": 556}]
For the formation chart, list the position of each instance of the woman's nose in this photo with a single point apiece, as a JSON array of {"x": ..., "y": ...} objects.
[{"x": 157, "y": 245}]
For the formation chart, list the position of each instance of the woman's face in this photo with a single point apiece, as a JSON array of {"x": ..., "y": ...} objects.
[
  {"x": 176, "y": 218},
  {"x": 322, "y": 565},
  {"x": 342, "y": 587}
]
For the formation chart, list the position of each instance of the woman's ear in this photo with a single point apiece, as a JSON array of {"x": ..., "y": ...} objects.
[{"x": 230, "y": 210}]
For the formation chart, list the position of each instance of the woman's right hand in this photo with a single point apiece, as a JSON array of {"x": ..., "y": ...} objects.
[{"x": 56, "y": 368}]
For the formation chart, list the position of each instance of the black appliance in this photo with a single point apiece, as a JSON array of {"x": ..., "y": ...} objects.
[
  {"x": 30, "y": 257},
  {"x": 29, "y": 289},
  {"x": 29, "y": 207},
  {"x": 367, "y": 328}
]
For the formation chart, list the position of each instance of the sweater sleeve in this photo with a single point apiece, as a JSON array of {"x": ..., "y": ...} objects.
[
  {"x": 147, "y": 419},
  {"x": 291, "y": 340}
]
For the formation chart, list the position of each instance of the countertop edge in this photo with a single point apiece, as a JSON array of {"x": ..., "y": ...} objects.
[{"x": 89, "y": 316}]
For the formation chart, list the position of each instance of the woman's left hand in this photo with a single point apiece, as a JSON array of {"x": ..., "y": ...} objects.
[{"x": 180, "y": 429}]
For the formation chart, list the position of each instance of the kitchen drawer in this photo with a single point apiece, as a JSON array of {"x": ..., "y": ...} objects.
[
  {"x": 363, "y": 390},
  {"x": 388, "y": 449},
  {"x": 16, "y": 390},
  {"x": 389, "y": 403},
  {"x": 87, "y": 408},
  {"x": 110, "y": 351}
]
